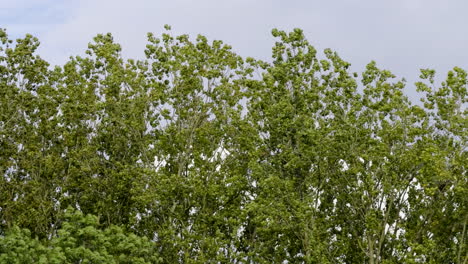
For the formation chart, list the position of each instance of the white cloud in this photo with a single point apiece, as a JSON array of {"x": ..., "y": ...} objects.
[
  {"x": 8, "y": 5},
  {"x": 401, "y": 35},
  {"x": 234, "y": 22}
]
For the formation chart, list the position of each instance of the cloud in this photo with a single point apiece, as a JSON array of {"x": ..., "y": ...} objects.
[
  {"x": 36, "y": 17},
  {"x": 237, "y": 22},
  {"x": 401, "y": 35}
]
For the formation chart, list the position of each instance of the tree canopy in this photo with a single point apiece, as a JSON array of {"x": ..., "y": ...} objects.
[{"x": 198, "y": 155}]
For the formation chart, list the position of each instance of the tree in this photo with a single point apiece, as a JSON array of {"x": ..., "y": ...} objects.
[
  {"x": 78, "y": 241},
  {"x": 195, "y": 154}
]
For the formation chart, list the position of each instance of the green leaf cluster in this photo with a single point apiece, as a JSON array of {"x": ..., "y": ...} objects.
[{"x": 198, "y": 155}]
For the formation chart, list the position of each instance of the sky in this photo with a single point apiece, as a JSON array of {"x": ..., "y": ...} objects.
[{"x": 402, "y": 36}]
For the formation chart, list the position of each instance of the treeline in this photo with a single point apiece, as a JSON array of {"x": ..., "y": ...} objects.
[{"x": 197, "y": 155}]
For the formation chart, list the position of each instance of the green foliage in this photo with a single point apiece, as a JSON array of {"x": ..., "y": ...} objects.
[
  {"x": 80, "y": 240},
  {"x": 197, "y": 155}
]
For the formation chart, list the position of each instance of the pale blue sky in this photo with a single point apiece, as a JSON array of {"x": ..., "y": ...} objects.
[{"x": 401, "y": 35}]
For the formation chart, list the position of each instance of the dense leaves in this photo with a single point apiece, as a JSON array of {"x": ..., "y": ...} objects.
[
  {"x": 198, "y": 155},
  {"x": 79, "y": 240}
]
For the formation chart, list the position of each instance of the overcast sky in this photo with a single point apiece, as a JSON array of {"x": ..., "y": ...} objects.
[{"x": 401, "y": 35}]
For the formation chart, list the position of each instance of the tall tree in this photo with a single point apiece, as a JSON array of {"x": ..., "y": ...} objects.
[{"x": 195, "y": 154}]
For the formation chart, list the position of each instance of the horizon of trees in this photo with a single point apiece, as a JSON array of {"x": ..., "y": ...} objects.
[{"x": 198, "y": 155}]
